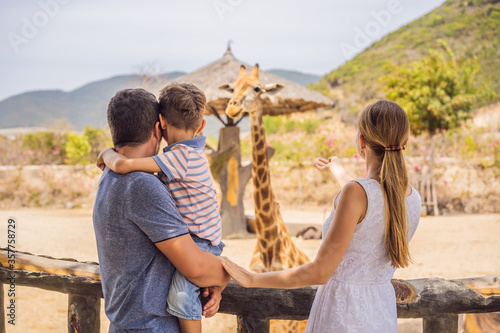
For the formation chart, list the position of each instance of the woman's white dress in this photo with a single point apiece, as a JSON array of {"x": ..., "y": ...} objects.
[{"x": 359, "y": 296}]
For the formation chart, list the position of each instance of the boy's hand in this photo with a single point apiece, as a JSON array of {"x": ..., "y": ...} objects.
[
  {"x": 100, "y": 160},
  {"x": 212, "y": 306}
]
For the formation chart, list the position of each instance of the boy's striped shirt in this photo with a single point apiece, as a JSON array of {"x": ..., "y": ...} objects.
[{"x": 186, "y": 174}]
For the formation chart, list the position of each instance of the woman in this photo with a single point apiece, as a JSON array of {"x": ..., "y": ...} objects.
[{"x": 365, "y": 237}]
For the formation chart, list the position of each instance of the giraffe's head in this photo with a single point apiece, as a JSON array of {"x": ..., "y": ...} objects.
[{"x": 247, "y": 91}]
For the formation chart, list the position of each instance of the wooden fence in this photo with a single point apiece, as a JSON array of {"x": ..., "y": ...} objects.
[{"x": 437, "y": 301}]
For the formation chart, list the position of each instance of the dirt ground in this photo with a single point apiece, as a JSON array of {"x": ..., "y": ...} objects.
[{"x": 448, "y": 247}]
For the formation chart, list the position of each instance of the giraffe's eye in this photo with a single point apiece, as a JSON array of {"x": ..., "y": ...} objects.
[{"x": 256, "y": 89}]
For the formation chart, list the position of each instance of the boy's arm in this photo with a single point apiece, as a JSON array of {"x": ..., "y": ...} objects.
[
  {"x": 123, "y": 165},
  {"x": 173, "y": 163}
]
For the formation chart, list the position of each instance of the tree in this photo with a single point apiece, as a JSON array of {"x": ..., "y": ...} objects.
[{"x": 436, "y": 92}]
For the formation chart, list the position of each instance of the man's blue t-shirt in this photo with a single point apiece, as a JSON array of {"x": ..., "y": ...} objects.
[{"x": 133, "y": 212}]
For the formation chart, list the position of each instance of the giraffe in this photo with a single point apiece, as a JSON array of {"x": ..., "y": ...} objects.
[{"x": 275, "y": 249}]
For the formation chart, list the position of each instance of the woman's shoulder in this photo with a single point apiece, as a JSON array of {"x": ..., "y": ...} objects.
[
  {"x": 353, "y": 190},
  {"x": 369, "y": 185},
  {"x": 414, "y": 195},
  {"x": 354, "y": 186}
]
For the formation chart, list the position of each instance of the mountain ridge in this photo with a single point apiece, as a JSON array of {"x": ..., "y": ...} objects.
[{"x": 86, "y": 105}]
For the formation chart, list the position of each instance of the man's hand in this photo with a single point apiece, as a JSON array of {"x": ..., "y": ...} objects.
[
  {"x": 100, "y": 160},
  {"x": 212, "y": 306}
]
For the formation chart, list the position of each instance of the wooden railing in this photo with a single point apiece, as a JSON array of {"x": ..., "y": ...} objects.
[{"x": 437, "y": 301}]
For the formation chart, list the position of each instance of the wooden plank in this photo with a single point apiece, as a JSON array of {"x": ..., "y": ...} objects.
[
  {"x": 258, "y": 303},
  {"x": 67, "y": 284},
  {"x": 447, "y": 323},
  {"x": 419, "y": 298},
  {"x": 437, "y": 296},
  {"x": 32, "y": 263}
]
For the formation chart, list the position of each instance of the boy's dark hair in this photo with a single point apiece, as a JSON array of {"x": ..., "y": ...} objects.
[
  {"x": 132, "y": 115},
  {"x": 182, "y": 105}
]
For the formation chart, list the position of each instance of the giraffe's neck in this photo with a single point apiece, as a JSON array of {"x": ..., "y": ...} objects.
[
  {"x": 273, "y": 239},
  {"x": 263, "y": 193}
]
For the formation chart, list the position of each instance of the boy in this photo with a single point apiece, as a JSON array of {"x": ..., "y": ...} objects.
[{"x": 185, "y": 172}]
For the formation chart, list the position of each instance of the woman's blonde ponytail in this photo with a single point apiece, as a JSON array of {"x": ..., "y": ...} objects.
[{"x": 385, "y": 128}]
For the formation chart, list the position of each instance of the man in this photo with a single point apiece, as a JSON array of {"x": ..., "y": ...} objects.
[{"x": 141, "y": 237}]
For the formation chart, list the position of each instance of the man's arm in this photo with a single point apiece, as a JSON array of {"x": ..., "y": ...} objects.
[
  {"x": 200, "y": 267},
  {"x": 153, "y": 210}
]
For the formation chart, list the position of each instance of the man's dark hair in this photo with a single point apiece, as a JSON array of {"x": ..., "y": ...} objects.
[
  {"x": 182, "y": 105},
  {"x": 132, "y": 115}
]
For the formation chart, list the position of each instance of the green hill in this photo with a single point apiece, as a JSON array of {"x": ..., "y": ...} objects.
[{"x": 471, "y": 28}]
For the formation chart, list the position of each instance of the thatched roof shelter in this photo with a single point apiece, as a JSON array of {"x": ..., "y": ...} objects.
[{"x": 293, "y": 98}]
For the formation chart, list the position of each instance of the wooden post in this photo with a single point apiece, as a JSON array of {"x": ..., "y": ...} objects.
[
  {"x": 233, "y": 180},
  {"x": 2, "y": 311},
  {"x": 252, "y": 324},
  {"x": 421, "y": 190},
  {"x": 83, "y": 314},
  {"x": 434, "y": 197},
  {"x": 445, "y": 323}
]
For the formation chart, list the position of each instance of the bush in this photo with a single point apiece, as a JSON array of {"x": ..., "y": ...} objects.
[
  {"x": 44, "y": 147},
  {"x": 78, "y": 149},
  {"x": 272, "y": 124}
]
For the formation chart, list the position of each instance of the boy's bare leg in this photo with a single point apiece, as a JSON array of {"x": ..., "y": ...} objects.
[{"x": 190, "y": 326}]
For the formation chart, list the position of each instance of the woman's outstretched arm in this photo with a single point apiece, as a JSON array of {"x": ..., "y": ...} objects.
[
  {"x": 334, "y": 166},
  {"x": 350, "y": 210}
]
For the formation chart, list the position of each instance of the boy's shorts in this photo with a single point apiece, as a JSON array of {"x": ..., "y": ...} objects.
[{"x": 183, "y": 296}]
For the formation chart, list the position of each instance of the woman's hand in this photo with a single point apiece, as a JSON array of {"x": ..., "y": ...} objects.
[
  {"x": 322, "y": 164},
  {"x": 238, "y": 273}
]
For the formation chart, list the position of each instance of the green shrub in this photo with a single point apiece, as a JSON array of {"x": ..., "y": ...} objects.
[
  {"x": 78, "y": 149},
  {"x": 309, "y": 125},
  {"x": 44, "y": 147},
  {"x": 272, "y": 124}
]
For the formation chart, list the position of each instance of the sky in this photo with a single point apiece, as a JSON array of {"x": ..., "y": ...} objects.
[{"x": 64, "y": 44}]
